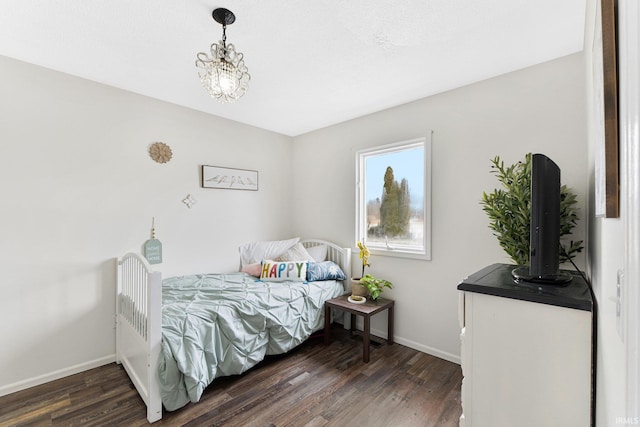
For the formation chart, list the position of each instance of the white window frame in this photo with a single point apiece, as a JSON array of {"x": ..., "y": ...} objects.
[{"x": 361, "y": 203}]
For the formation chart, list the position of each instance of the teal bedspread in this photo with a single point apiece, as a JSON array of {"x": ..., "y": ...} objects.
[{"x": 223, "y": 324}]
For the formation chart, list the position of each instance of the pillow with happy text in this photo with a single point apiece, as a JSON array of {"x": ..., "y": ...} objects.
[{"x": 285, "y": 271}]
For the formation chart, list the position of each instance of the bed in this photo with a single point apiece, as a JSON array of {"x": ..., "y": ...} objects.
[{"x": 175, "y": 336}]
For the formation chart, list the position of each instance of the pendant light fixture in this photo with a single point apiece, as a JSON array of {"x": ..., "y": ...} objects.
[{"x": 223, "y": 74}]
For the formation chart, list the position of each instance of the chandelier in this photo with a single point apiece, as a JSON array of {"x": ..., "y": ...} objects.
[{"x": 223, "y": 74}]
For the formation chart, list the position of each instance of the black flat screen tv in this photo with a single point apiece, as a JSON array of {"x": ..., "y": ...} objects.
[{"x": 544, "y": 237}]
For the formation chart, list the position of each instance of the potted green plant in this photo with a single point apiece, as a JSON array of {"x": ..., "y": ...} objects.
[
  {"x": 374, "y": 285},
  {"x": 509, "y": 211},
  {"x": 367, "y": 284}
]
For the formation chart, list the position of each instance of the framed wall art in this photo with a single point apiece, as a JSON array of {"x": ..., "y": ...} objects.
[
  {"x": 229, "y": 178},
  {"x": 605, "y": 81}
]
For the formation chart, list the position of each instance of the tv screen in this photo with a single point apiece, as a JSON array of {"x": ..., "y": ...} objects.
[{"x": 544, "y": 237}]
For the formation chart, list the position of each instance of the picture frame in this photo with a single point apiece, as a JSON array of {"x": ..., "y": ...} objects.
[
  {"x": 228, "y": 178},
  {"x": 605, "y": 80}
]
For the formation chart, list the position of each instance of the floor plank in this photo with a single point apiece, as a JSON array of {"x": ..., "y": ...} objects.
[{"x": 313, "y": 385}]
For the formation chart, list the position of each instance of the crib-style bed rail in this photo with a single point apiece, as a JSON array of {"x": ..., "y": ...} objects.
[
  {"x": 139, "y": 327},
  {"x": 341, "y": 256}
]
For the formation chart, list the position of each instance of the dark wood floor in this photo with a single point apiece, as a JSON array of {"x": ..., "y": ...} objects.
[{"x": 312, "y": 385}]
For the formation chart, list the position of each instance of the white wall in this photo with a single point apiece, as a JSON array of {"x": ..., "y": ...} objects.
[
  {"x": 78, "y": 189},
  {"x": 538, "y": 109},
  {"x": 608, "y": 247}
]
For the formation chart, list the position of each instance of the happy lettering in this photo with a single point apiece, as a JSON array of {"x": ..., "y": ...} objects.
[{"x": 282, "y": 270}]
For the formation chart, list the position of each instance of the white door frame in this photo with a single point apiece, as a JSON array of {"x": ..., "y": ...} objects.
[{"x": 629, "y": 84}]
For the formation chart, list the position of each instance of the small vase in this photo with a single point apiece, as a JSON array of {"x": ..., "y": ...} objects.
[{"x": 357, "y": 289}]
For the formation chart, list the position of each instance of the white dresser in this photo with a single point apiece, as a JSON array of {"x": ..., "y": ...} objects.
[{"x": 526, "y": 352}]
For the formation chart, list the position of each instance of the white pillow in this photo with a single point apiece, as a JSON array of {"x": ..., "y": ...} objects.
[
  {"x": 296, "y": 252},
  {"x": 318, "y": 253},
  {"x": 254, "y": 252}
]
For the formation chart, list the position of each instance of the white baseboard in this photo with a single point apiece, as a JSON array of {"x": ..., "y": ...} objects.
[
  {"x": 420, "y": 347},
  {"x": 429, "y": 350},
  {"x": 52, "y": 376},
  {"x": 454, "y": 358}
]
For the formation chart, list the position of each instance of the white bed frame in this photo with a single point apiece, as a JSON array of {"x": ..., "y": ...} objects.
[{"x": 139, "y": 320}]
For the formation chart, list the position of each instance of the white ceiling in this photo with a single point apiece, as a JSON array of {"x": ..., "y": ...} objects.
[{"x": 312, "y": 63}]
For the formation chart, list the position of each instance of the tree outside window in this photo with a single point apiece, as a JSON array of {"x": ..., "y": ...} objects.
[{"x": 393, "y": 198}]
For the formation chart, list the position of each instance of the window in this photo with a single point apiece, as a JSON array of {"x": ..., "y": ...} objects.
[{"x": 393, "y": 205}]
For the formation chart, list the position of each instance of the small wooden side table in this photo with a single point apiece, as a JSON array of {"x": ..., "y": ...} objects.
[{"x": 366, "y": 310}]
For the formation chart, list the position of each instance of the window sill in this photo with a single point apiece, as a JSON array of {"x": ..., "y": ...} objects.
[{"x": 399, "y": 253}]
